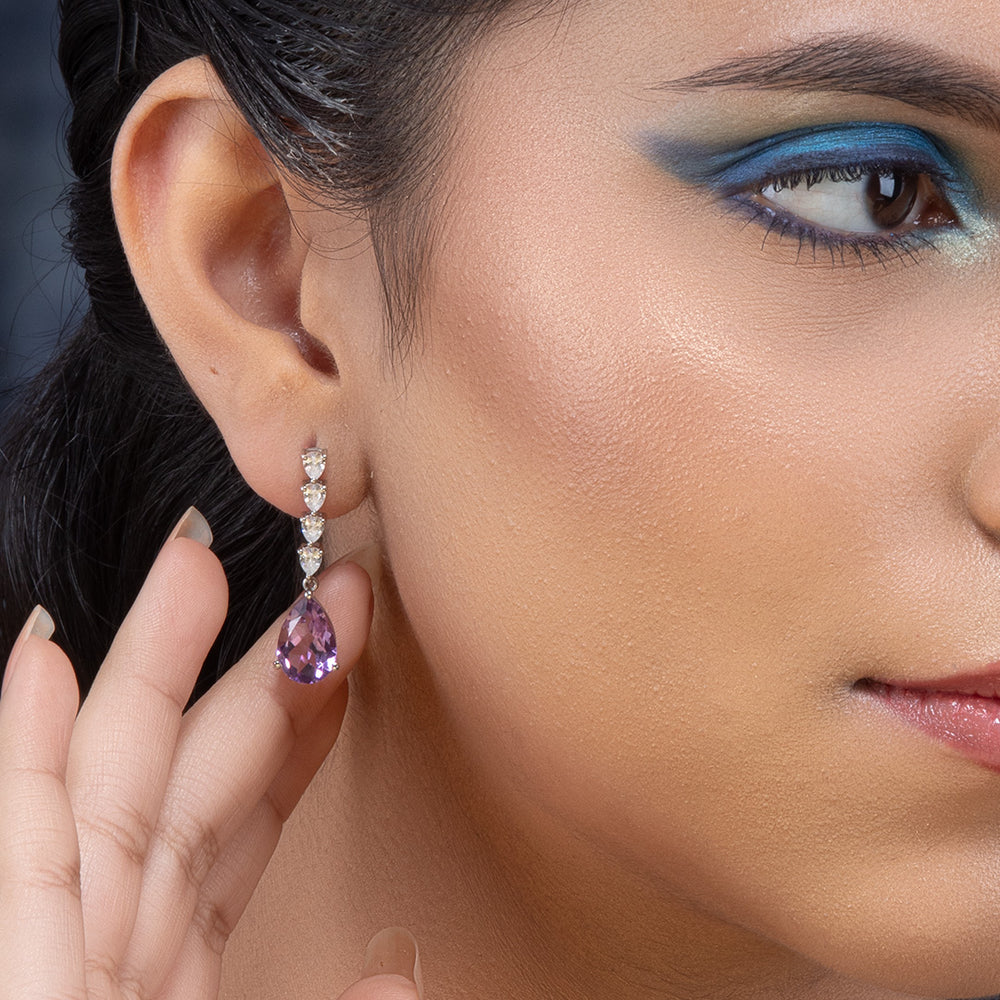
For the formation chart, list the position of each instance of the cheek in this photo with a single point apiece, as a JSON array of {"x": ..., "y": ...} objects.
[
  {"x": 641, "y": 615},
  {"x": 650, "y": 518},
  {"x": 571, "y": 512},
  {"x": 645, "y": 549}
]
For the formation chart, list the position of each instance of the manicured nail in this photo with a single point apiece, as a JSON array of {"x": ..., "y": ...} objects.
[
  {"x": 39, "y": 623},
  {"x": 393, "y": 952},
  {"x": 194, "y": 526}
]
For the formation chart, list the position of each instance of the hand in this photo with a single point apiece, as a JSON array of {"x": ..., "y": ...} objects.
[{"x": 132, "y": 834}]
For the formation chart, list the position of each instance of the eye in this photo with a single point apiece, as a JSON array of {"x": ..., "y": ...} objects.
[
  {"x": 860, "y": 191},
  {"x": 862, "y": 201}
]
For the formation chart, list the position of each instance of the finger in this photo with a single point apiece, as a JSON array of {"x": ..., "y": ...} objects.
[
  {"x": 41, "y": 951},
  {"x": 382, "y": 987},
  {"x": 232, "y": 881},
  {"x": 232, "y": 745},
  {"x": 391, "y": 969},
  {"x": 124, "y": 740}
]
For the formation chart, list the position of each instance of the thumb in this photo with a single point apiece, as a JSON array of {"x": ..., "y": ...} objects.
[{"x": 391, "y": 970}]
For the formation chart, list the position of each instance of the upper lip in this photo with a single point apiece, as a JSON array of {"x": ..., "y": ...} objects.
[{"x": 984, "y": 682}]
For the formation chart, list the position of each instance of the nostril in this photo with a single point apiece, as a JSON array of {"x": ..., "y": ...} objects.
[{"x": 982, "y": 487}]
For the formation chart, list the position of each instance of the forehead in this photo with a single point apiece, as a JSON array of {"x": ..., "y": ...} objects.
[
  {"x": 685, "y": 33},
  {"x": 603, "y": 71}
]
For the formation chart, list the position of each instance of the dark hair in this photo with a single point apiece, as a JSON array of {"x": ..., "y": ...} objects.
[{"x": 110, "y": 446}]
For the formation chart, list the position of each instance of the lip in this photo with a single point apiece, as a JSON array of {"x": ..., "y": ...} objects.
[{"x": 962, "y": 710}]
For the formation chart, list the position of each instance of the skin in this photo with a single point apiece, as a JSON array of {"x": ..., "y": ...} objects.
[{"x": 645, "y": 503}]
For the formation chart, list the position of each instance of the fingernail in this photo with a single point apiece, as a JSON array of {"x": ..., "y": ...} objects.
[
  {"x": 194, "y": 526},
  {"x": 393, "y": 952},
  {"x": 39, "y": 623}
]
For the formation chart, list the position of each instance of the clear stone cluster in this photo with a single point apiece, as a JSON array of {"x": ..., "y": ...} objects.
[{"x": 314, "y": 494}]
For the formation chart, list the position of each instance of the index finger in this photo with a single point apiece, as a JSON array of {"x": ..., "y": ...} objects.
[
  {"x": 41, "y": 950},
  {"x": 126, "y": 732}
]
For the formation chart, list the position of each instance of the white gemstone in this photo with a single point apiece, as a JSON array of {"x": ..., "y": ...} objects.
[
  {"x": 314, "y": 495},
  {"x": 312, "y": 527},
  {"x": 314, "y": 462},
  {"x": 310, "y": 559}
]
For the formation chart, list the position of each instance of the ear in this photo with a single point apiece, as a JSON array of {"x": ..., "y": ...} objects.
[{"x": 209, "y": 230}]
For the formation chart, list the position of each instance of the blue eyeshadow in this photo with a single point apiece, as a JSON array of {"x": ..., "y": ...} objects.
[{"x": 870, "y": 144}]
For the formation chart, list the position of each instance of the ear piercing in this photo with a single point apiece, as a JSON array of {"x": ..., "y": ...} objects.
[{"x": 307, "y": 646}]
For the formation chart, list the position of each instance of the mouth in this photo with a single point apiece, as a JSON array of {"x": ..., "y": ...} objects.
[{"x": 962, "y": 711}]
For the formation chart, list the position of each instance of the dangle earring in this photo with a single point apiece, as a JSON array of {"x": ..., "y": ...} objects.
[{"x": 307, "y": 646}]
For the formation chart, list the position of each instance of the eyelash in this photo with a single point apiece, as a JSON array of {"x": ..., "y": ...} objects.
[{"x": 843, "y": 248}]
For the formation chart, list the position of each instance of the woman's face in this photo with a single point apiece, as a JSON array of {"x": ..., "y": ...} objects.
[{"x": 703, "y": 434}]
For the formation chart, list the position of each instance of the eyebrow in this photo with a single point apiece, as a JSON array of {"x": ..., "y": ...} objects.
[{"x": 862, "y": 64}]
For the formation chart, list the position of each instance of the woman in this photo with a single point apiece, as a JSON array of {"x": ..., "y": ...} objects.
[{"x": 653, "y": 348}]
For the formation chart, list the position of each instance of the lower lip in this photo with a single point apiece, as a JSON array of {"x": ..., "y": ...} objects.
[{"x": 969, "y": 723}]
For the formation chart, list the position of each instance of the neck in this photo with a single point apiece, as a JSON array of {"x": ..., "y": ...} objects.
[{"x": 400, "y": 827}]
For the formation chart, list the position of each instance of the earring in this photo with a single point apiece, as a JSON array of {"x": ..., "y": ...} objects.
[{"x": 307, "y": 646}]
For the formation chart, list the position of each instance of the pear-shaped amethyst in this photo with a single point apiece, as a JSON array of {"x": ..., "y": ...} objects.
[{"x": 307, "y": 647}]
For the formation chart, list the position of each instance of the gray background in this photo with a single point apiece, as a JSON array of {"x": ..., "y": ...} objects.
[{"x": 37, "y": 287}]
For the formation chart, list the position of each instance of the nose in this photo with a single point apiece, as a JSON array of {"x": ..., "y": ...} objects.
[{"x": 982, "y": 486}]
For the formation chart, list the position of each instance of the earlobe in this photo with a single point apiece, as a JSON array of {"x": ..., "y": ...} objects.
[{"x": 206, "y": 225}]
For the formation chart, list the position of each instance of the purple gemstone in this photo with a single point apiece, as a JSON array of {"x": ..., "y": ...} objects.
[{"x": 307, "y": 647}]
